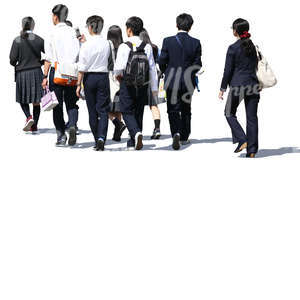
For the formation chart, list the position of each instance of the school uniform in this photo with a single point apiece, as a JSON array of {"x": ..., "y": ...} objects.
[
  {"x": 63, "y": 46},
  {"x": 133, "y": 100},
  {"x": 93, "y": 61},
  {"x": 179, "y": 53},
  {"x": 240, "y": 76},
  {"x": 25, "y": 56}
]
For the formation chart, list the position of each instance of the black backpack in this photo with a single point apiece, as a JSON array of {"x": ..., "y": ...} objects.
[{"x": 137, "y": 70}]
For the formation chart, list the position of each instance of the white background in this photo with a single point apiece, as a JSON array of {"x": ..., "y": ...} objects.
[{"x": 201, "y": 223}]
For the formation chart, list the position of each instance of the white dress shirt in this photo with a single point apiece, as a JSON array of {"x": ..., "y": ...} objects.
[
  {"x": 62, "y": 46},
  {"x": 123, "y": 55},
  {"x": 94, "y": 55}
]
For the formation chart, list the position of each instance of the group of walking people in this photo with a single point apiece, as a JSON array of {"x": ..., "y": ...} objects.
[{"x": 118, "y": 79}]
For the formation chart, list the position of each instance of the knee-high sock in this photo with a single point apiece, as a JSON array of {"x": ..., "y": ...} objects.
[
  {"x": 36, "y": 114},
  {"x": 26, "y": 109}
]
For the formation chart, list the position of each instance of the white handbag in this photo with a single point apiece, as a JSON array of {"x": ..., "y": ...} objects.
[
  {"x": 66, "y": 74},
  {"x": 265, "y": 74}
]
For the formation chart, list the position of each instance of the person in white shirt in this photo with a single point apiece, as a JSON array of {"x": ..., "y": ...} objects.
[
  {"x": 62, "y": 47},
  {"x": 93, "y": 71},
  {"x": 133, "y": 99}
]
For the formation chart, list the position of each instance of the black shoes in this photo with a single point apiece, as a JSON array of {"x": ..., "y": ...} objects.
[
  {"x": 100, "y": 145},
  {"x": 251, "y": 155},
  {"x": 176, "y": 142},
  {"x": 156, "y": 134},
  {"x": 241, "y": 147},
  {"x": 118, "y": 132},
  {"x": 139, "y": 141},
  {"x": 72, "y": 136}
]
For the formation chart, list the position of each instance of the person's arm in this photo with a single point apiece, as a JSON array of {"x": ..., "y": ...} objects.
[
  {"x": 163, "y": 59},
  {"x": 14, "y": 53},
  {"x": 229, "y": 69},
  {"x": 198, "y": 54},
  {"x": 48, "y": 61},
  {"x": 79, "y": 82},
  {"x": 121, "y": 60},
  {"x": 153, "y": 70}
]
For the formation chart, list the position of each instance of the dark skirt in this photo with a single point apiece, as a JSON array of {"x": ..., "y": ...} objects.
[
  {"x": 29, "y": 86},
  {"x": 115, "y": 104},
  {"x": 152, "y": 101}
]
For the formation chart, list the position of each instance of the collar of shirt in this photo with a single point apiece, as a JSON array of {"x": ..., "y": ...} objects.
[
  {"x": 61, "y": 24},
  {"x": 135, "y": 40},
  {"x": 182, "y": 31}
]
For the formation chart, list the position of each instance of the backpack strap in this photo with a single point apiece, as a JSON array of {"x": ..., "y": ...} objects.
[
  {"x": 141, "y": 47},
  {"x": 129, "y": 45}
]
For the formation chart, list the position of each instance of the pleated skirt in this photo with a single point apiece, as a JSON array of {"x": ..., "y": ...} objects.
[{"x": 29, "y": 86}]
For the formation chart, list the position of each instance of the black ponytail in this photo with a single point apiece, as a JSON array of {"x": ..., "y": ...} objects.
[
  {"x": 27, "y": 24},
  {"x": 242, "y": 27}
]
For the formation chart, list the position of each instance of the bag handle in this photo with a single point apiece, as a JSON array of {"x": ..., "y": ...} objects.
[
  {"x": 259, "y": 55},
  {"x": 180, "y": 44},
  {"x": 36, "y": 54}
]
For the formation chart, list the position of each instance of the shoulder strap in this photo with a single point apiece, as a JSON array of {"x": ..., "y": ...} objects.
[
  {"x": 36, "y": 54},
  {"x": 129, "y": 45},
  {"x": 259, "y": 55},
  {"x": 181, "y": 46},
  {"x": 112, "y": 51},
  {"x": 141, "y": 47}
]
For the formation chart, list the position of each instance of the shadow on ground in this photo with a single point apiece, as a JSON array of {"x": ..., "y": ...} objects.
[{"x": 275, "y": 152}]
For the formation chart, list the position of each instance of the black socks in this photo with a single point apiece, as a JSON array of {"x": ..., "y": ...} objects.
[
  {"x": 117, "y": 123},
  {"x": 36, "y": 114},
  {"x": 157, "y": 124},
  {"x": 26, "y": 110}
]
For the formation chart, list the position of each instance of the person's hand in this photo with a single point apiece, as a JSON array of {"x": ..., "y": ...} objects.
[
  {"x": 78, "y": 91},
  {"x": 221, "y": 95},
  {"x": 119, "y": 78},
  {"x": 45, "y": 83},
  {"x": 82, "y": 38}
]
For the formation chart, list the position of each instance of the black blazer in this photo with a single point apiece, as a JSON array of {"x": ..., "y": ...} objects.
[
  {"x": 175, "y": 55},
  {"x": 240, "y": 70}
]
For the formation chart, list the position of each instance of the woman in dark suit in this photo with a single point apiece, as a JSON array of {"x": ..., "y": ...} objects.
[
  {"x": 240, "y": 76},
  {"x": 25, "y": 56}
]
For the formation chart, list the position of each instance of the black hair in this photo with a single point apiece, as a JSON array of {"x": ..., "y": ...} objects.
[
  {"x": 69, "y": 23},
  {"x": 184, "y": 22},
  {"x": 61, "y": 11},
  {"x": 242, "y": 28},
  {"x": 27, "y": 24},
  {"x": 144, "y": 36},
  {"x": 136, "y": 24},
  {"x": 114, "y": 34},
  {"x": 96, "y": 22}
]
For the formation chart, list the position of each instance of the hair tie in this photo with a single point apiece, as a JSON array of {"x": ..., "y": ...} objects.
[{"x": 245, "y": 35}]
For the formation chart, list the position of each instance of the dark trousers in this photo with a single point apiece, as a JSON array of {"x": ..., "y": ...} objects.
[
  {"x": 67, "y": 95},
  {"x": 97, "y": 93},
  {"x": 235, "y": 97},
  {"x": 179, "y": 111},
  {"x": 132, "y": 104}
]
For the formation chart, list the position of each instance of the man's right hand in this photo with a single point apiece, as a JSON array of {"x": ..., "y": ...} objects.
[{"x": 45, "y": 83}]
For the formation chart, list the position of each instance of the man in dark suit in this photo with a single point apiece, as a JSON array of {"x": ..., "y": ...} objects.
[{"x": 180, "y": 60}]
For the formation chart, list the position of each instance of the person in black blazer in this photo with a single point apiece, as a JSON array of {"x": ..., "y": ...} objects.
[
  {"x": 240, "y": 75},
  {"x": 180, "y": 60}
]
